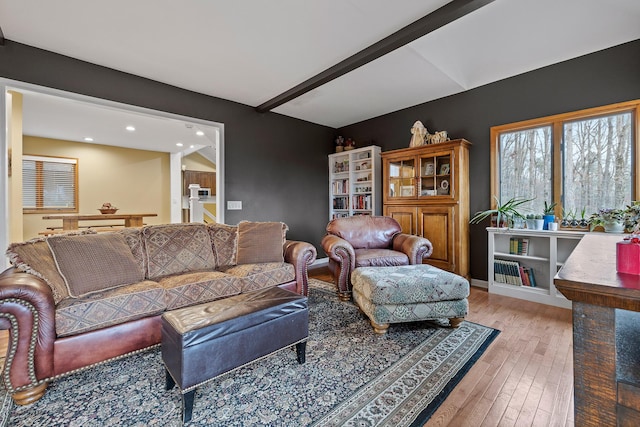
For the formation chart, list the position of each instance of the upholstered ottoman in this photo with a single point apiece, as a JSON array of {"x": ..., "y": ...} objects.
[
  {"x": 409, "y": 293},
  {"x": 204, "y": 341}
]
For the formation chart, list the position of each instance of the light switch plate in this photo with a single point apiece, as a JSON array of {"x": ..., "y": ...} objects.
[{"x": 234, "y": 205}]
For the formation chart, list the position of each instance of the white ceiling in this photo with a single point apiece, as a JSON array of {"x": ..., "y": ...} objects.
[{"x": 253, "y": 50}]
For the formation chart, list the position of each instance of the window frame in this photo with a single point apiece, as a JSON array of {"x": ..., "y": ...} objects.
[
  {"x": 557, "y": 122},
  {"x": 52, "y": 159}
]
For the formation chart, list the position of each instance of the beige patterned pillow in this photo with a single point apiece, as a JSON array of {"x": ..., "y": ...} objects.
[
  {"x": 94, "y": 263},
  {"x": 225, "y": 243},
  {"x": 261, "y": 242},
  {"x": 35, "y": 257},
  {"x": 177, "y": 248}
]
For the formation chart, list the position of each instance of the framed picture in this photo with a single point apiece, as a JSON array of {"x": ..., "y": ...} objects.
[
  {"x": 406, "y": 191},
  {"x": 428, "y": 169},
  {"x": 444, "y": 169}
]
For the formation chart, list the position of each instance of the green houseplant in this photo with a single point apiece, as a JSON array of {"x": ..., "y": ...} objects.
[
  {"x": 503, "y": 212},
  {"x": 612, "y": 220},
  {"x": 548, "y": 214}
]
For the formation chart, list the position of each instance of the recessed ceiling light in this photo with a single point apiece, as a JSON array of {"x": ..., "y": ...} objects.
[
  {"x": 130, "y": 128},
  {"x": 88, "y": 139},
  {"x": 179, "y": 144},
  {"x": 200, "y": 133},
  {"x": 192, "y": 146}
]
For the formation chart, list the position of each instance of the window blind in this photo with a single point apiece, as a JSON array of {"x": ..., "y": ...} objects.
[{"x": 49, "y": 183}]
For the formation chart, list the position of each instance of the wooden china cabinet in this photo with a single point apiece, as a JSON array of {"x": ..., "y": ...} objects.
[{"x": 426, "y": 189}]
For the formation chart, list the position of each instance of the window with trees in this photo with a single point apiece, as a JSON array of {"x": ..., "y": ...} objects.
[
  {"x": 49, "y": 184},
  {"x": 582, "y": 161}
]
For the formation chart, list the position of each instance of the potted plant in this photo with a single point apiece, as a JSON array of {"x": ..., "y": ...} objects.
[
  {"x": 548, "y": 214},
  {"x": 612, "y": 220},
  {"x": 535, "y": 222},
  {"x": 503, "y": 212},
  {"x": 632, "y": 216}
]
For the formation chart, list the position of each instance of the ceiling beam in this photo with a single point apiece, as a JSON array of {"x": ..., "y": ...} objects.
[{"x": 439, "y": 18}]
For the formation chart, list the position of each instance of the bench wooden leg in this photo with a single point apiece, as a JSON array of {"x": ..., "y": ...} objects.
[
  {"x": 454, "y": 322},
  {"x": 301, "y": 352},
  {"x": 187, "y": 405}
]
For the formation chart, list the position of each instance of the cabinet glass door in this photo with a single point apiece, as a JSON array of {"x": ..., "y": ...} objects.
[
  {"x": 435, "y": 175},
  {"x": 402, "y": 178}
]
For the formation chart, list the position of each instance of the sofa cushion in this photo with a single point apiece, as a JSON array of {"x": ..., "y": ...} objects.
[
  {"x": 110, "y": 307},
  {"x": 35, "y": 257},
  {"x": 261, "y": 242},
  {"x": 225, "y": 243},
  {"x": 365, "y": 231},
  {"x": 194, "y": 288},
  {"x": 133, "y": 237},
  {"x": 94, "y": 262},
  {"x": 264, "y": 275},
  {"x": 177, "y": 248}
]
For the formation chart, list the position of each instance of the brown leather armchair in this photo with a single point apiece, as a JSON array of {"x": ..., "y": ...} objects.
[{"x": 369, "y": 241}]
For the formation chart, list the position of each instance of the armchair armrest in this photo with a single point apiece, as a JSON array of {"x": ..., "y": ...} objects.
[
  {"x": 417, "y": 248},
  {"x": 339, "y": 250},
  {"x": 301, "y": 255},
  {"x": 27, "y": 310}
]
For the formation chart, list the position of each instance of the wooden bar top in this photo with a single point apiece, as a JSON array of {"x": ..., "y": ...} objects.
[{"x": 590, "y": 275}]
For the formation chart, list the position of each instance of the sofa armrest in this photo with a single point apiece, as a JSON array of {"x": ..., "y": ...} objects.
[
  {"x": 415, "y": 247},
  {"x": 301, "y": 255},
  {"x": 27, "y": 310}
]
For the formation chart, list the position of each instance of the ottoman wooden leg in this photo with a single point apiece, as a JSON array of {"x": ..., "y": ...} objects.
[
  {"x": 301, "y": 351},
  {"x": 454, "y": 322},
  {"x": 187, "y": 405},
  {"x": 379, "y": 329}
]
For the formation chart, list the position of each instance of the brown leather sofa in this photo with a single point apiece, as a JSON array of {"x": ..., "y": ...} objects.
[
  {"x": 53, "y": 332},
  {"x": 369, "y": 241}
]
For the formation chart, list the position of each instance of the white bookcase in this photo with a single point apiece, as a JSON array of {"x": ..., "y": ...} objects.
[
  {"x": 354, "y": 182},
  {"x": 547, "y": 251}
]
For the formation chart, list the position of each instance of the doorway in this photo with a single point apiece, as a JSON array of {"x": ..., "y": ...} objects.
[{"x": 87, "y": 110}]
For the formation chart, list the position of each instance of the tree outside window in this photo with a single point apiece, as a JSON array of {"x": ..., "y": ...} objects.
[{"x": 582, "y": 161}]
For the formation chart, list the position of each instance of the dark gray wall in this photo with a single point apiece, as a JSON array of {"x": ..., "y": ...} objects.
[
  {"x": 601, "y": 78},
  {"x": 275, "y": 164},
  {"x": 278, "y": 165}
]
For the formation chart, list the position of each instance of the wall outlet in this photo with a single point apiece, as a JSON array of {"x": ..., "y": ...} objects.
[{"x": 234, "y": 205}]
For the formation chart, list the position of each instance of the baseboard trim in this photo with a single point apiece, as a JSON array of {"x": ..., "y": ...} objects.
[
  {"x": 320, "y": 262},
  {"x": 480, "y": 283}
]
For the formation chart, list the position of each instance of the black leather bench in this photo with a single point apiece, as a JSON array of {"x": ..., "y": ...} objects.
[{"x": 202, "y": 342}]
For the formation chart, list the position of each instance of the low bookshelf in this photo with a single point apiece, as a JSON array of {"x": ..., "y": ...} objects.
[{"x": 522, "y": 263}]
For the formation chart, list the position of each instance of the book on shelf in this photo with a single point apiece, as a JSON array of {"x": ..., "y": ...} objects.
[
  {"x": 519, "y": 246},
  {"x": 531, "y": 276},
  {"x": 512, "y": 273}
]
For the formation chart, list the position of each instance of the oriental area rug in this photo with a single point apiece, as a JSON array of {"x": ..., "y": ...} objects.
[{"x": 352, "y": 377}]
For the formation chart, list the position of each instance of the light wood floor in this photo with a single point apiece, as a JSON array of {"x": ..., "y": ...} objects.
[{"x": 525, "y": 378}]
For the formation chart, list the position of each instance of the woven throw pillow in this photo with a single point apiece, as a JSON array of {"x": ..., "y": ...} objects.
[
  {"x": 35, "y": 257},
  {"x": 260, "y": 242},
  {"x": 177, "y": 248},
  {"x": 94, "y": 263}
]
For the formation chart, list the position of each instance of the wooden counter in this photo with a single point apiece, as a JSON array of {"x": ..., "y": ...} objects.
[
  {"x": 70, "y": 221},
  {"x": 601, "y": 330}
]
